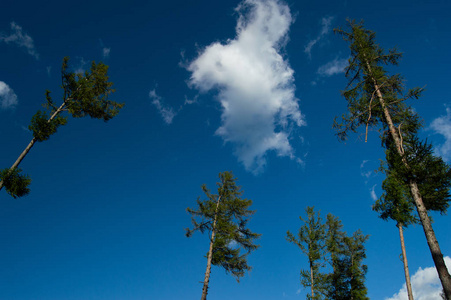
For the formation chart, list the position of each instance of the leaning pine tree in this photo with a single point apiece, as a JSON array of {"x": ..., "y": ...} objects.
[
  {"x": 378, "y": 99},
  {"x": 85, "y": 94},
  {"x": 225, "y": 216},
  {"x": 433, "y": 177}
]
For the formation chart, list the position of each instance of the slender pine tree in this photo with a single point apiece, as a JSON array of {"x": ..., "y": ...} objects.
[
  {"x": 311, "y": 241},
  {"x": 225, "y": 215}
]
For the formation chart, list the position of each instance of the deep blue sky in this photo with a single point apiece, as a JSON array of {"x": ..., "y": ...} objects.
[{"x": 106, "y": 215}]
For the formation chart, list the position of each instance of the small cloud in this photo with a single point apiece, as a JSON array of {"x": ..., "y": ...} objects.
[
  {"x": 21, "y": 39},
  {"x": 442, "y": 125},
  {"x": 334, "y": 67},
  {"x": 167, "y": 113},
  {"x": 106, "y": 52},
  {"x": 298, "y": 291},
  {"x": 366, "y": 174},
  {"x": 373, "y": 193},
  {"x": 48, "y": 69},
  {"x": 325, "y": 28},
  {"x": 425, "y": 284},
  {"x": 189, "y": 101},
  {"x": 80, "y": 66},
  {"x": 8, "y": 99}
]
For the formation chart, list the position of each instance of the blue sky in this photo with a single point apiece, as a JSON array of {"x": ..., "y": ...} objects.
[{"x": 250, "y": 87}]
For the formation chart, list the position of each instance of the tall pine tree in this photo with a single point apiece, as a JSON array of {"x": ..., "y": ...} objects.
[
  {"x": 311, "y": 241},
  {"x": 378, "y": 99},
  {"x": 84, "y": 95},
  {"x": 225, "y": 216}
]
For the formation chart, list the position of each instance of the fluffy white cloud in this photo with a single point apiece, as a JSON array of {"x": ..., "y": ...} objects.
[
  {"x": 20, "y": 38},
  {"x": 425, "y": 284},
  {"x": 255, "y": 83},
  {"x": 442, "y": 125},
  {"x": 167, "y": 113},
  {"x": 8, "y": 99},
  {"x": 336, "y": 66},
  {"x": 325, "y": 28}
]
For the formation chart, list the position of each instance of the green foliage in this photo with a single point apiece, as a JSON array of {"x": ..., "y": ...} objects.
[
  {"x": 87, "y": 94},
  {"x": 347, "y": 281},
  {"x": 311, "y": 241},
  {"x": 84, "y": 94},
  {"x": 42, "y": 127},
  {"x": 15, "y": 183},
  {"x": 329, "y": 243},
  {"x": 431, "y": 173},
  {"x": 232, "y": 237},
  {"x": 367, "y": 76}
]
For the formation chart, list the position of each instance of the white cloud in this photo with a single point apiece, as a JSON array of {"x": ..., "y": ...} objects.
[
  {"x": 425, "y": 284},
  {"x": 255, "y": 83},
  {"x": 334, "y": 67},
  {"x": 8, "y": 99},
  {"x": 325, "y": 28},
  {"x": 442, "y": 125},
  {"x": 373, "y": 193},
  {"x": 21, "y": 39},
  {"x": 106, "y": 52},
  {"x": 167, "y": 113}
]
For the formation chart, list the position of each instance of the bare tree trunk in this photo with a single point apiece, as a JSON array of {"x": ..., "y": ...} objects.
[
  {"x": 404, "y": 260},
  {"x": 30, "y": 145},
  {"x": 434, "y": 247},
  {"x": 210, "y": 254},
  {"x": 311, "y": 280}
]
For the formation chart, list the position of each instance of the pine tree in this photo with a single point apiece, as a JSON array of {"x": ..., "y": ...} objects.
[
  {"x": 311, "y": 240},
  {"x": 84, "y": 95},
  {"x": 346, "y": 254},
  {"x": 225, "y": 216},
  {"x": 433, "y": 177},
  {"x": 378, "y": 99}
]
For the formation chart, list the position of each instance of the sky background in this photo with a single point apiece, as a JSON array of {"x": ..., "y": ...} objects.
[{"x": 209, "y": 86}]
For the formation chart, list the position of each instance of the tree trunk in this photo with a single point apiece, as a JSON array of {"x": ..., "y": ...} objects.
[
  {"x": 311, "y": 280},
  {"x": 434, "y": 247},
  {"x": 30, "y": 145},
  {"x": 210, "y": 255},
  {"x": 404, "y": 260}
]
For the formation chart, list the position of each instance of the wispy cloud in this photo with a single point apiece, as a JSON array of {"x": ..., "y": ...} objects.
[
  {"x": 334, "y": 67},
  {"x": 425, "y": 284},
  {"x": 190, "y": 101},
  {"x": 363, "y": 163},
  {"x": 106, "y": 52},
  {"x": 442, "y": 125},
  {"x": 80, "y": 65},
  {"x": 20, "y": 38},
  {"x": 373, "y": 192},
  {"x": 325, "y": 28},
  {"x": 8, "y": 99},
  {"x": 167, "y": 113},
  {"x": 255, "y": 83},
  {"x": 365, "y": 172}
]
